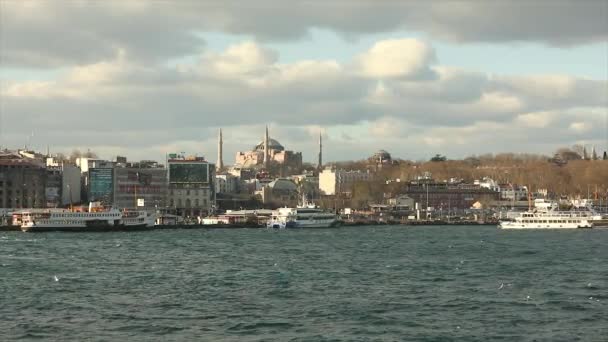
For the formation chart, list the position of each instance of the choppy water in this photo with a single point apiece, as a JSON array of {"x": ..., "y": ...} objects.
[{"x": 350, "y": 284}]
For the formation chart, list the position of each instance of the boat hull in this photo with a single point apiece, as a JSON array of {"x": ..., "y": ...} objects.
[
  {"x": 517, "y": 226},
  {"x": 83, "y": 228}
]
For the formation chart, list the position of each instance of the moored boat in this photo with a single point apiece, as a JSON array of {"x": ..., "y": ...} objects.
[
  {"x": 302, "y": 217},
  {"x": 545, "y": 215},
  {"x": 95, "y": 219}
]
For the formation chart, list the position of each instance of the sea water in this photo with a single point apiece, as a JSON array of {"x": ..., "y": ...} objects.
[{"x": 388, "y": 283}]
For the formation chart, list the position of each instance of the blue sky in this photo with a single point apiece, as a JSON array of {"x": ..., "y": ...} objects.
[{"x": 515, "y": 58}]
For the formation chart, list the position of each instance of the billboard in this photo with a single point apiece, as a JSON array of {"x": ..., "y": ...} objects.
[
  {"x": 189, "y": 173},
  {"x": 101, "y": 182}
]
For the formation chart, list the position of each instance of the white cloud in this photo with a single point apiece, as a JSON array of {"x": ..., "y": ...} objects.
[
  {"x": 535, "y": 120},
  {"x": 150, "y": 107},
  {"x": 397, "y": 58},
  {"x": 580, "y": 127}
]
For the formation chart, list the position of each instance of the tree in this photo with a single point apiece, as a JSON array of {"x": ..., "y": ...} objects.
[
  {"x": 568, "y": 154},
  {"x": 439, "y": 158}
]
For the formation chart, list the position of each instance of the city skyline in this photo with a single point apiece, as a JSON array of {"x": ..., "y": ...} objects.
[{"x": 146, "y": 79}]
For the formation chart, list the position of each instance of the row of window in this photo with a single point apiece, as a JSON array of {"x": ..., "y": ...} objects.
[
  {"x": 551, "y": 221},
  {"x": 189, "y": 192},
  {"x": 86, "y": 215},
  {"x": 179, "y": 203}
]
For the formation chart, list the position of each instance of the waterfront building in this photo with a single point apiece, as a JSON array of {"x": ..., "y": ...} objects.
[
  {"x": 141, "y": 185},
  {"x": 63, "y": 183},
  {"x": 447, "y": 195},
  {"x": 333, "y": 181},
  {"x": 22, "y": 180},
  {"x": 52, "y": 189},
  {"x": 191, "y": 186}
]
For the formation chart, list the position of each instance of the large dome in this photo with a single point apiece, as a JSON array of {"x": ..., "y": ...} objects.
[{"x": 272, "y": 145}]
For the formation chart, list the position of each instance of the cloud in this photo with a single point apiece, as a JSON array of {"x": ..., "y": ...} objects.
[
  {"x": 535, "y": 120},
  {"x": 151, "y": 107},
  {"x": 39, "y": 33},
  {"x": 398, "y": 58},
  {"x": 580, "y": 126}
]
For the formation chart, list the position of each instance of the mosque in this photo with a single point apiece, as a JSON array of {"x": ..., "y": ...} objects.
[{"x": 268, "y": 152}]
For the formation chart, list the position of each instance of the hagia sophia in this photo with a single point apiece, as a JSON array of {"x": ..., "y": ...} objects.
[{"x": 266, "y": 153}]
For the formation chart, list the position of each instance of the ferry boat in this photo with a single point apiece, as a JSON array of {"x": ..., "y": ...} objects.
[
  {"x": 546, "y": 216},
  {"x": 95, "y": 219},
  {"x": 302, "y": 217}
]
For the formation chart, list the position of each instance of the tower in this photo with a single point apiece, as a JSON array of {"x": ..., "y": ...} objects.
[
  {"x": 585, "y": 157},
  {"x": 266, "y": 152},
  {"x": 220, "y": 151},
  {"x": 320, "y": 165}
]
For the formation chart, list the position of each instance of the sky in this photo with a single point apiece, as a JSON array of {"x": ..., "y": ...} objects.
[{"x": 416, "y": 78}]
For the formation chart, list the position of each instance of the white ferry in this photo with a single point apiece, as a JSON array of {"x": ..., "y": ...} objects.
[
  {"x": 95, "y": 219},
  {"x": 302, "y": 217},
  {"x": 546, "y": 216}
]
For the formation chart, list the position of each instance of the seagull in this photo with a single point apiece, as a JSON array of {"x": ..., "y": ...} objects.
[
  {"x": 56, "y": 279},
  {"x": 501, "y": 286},
  {"x": 527, "y": 298}
]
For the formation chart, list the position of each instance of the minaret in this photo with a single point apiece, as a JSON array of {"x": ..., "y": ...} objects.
[
  {"x": 593, "y": 153},
  {"x": 320, "y": 165},
  {"x": 220, "y": 152},
  {"x": 266, "y": 154},
  {"x": 585, "y": 152}
]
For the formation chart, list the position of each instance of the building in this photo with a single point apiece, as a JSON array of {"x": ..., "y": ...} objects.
[
  {"x": 141, "y": 186},
  {"x": 70, "y": 185},
  {"x": 85, "y": 165},
  {"x": 380, "y": 159},
  {"x": 22, "y": 180},
  {"x": 447, "y": 196},
  {"x": 332, "y": 181},
  {"x": 513, "y": 192},
  {"x": 308, "y": 184},
  {"x": 280, "y": 193},
  {"x": 226, "y": 184},
  {"x": 63, "y": 185},
  {"x": 191, "y": 186},
  {"x": 267, "y": 153}
]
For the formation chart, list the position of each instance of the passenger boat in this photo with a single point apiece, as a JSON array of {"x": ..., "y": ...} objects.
[
  {"x": 546, "y": 216},
  {"x": 95, "y": 219},
  {"x": 308, "y": 216}
]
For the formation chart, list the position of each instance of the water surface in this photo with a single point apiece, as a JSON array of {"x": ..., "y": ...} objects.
[{"x": 350, "y": 284}]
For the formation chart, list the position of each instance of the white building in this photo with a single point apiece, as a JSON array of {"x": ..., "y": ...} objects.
[
  {"x": 515, "y": 192},
  {"x": 488, "y": 183},
  {"x": 332, "y": 181},
  {"x": 226, "y": 184}
]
